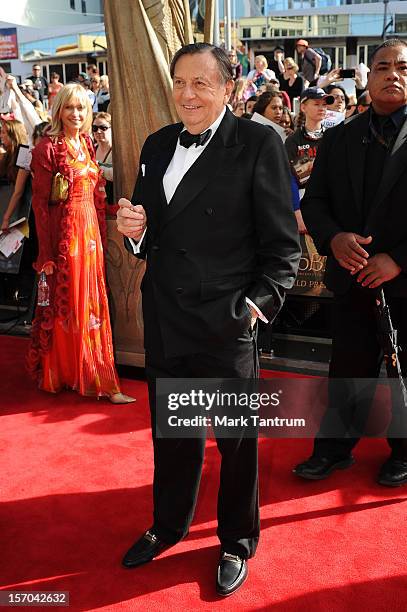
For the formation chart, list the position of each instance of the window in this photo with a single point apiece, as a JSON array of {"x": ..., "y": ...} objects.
[
  {"x": 72, "y": 4},
  {"x": 283, "y": 32},
  {"x": 72, "y": 71},
  {"x": 84, "y": 7},
  {"x": 362, "y": 51},
  {"x": 264, "y": 32},
  {"x": 247, "y": 33},
  {"x": 401, "y": 23},
  {"x": 330, "y": 19}
]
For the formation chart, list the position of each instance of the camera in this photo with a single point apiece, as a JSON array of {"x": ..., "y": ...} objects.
[{"x": 348, "y": 73}]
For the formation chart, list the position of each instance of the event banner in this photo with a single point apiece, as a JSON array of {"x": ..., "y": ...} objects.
[
  {"x": 8, "y": 44},
  {"x": 310, "y": 277}
]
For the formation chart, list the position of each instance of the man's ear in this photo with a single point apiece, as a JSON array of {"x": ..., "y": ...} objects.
[{"x": 229, "y": 88}]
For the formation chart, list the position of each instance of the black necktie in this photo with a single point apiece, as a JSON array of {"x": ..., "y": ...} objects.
[
  {"x": 388, "y": 130},
  {"x": 186, "y": 139}
]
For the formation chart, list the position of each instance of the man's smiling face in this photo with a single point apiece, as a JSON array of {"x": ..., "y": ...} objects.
[{"x": 198, "y": 91}]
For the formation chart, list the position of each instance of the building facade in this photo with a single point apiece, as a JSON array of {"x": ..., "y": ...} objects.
[
  {"x": 348, "y": 30},
  {"x": 46, "y": 13},
  {"x": 45, "y": 27}
]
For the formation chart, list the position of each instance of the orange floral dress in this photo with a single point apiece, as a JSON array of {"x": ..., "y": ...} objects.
[{"x": 72, "y": 338}]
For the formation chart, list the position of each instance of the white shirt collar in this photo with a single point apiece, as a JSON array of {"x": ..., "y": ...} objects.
[{"x": 214, "y": 126}]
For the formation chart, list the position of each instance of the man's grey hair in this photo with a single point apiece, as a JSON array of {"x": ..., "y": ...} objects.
[{"x": 224, "y": 64}]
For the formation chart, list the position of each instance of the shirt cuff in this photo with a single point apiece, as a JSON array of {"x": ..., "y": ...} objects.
[
  {"x": 137, "y": 245},
  {"x": 257, "y": 309}
]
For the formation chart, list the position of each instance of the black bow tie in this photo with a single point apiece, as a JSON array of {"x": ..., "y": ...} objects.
[{"x": 186, "y": 139}]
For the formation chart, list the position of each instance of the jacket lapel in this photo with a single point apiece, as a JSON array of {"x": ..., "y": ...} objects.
[
  {"x": 401, "y": 138},
  {"x": 396, "y": 164},
  {"x": 156, "y": 168},
  {"x": 222, "y": 148},
  {"x": 356, "y": 148}
]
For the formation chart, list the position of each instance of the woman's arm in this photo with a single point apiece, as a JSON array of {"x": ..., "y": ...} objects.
[
  {"x": 43, "y": 171},
  {"x": 26, "y": 109},
  {"x": 280, "y": 63},
  {"x": 18, "y": 192}
]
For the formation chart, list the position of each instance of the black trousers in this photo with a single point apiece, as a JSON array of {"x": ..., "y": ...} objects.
[
  {"x": 178, "y": 462},
  {"x": 357, "y": 354}
]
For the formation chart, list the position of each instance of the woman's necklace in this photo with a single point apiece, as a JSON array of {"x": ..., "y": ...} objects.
[{"x": 76, "y": 149}]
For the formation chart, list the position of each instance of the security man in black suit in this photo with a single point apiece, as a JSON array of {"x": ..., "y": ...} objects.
[
  {"x": 355, "y": 210},
  {"x": 212, "y": 215}
]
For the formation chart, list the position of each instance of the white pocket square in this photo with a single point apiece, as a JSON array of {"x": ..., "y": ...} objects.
[{"x": 143, "y": 169}]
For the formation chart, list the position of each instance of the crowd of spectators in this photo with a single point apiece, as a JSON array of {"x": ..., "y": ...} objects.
[
  {"x": 299, "y": 98},
  {"x": 286, "y": 95}
]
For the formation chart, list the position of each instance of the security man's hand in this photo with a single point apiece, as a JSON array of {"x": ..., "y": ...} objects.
[
  {"x": 347, "y": 251},
  {"x": 380, "y": 269},
  {"x": 131, "y": 220}
]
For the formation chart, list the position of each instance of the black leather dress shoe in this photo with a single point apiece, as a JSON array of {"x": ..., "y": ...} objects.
[
  {"x": 393, "y": 473},
  {"x": 318, "y": 468},
  {"x": 232, "y": 572},
  {"x": 144, "y": 550}
]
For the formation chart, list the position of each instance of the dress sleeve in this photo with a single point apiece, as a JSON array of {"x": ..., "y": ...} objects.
[{"x": 42, "y": 168}]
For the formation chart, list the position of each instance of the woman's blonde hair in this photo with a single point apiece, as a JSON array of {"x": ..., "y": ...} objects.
[
  {"x": 104, "y": 81},
  {"x": 263, "y": 59},
  {"x": 291, "y": 63},
  {"x": 102, "y": 115},
  {"x": 17, "y": 135},
  {"x": 72, "y": 91}
]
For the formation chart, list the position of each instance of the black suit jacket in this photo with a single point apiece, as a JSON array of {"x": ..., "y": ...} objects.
[
  {"x": 228, "y": 232},
  {"x": 333, "y": 201}
]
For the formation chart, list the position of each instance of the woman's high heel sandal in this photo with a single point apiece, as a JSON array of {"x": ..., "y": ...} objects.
[{"x": 121, "y": 398}]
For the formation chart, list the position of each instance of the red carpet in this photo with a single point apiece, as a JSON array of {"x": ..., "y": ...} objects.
[{"x": 76, "y": 492}]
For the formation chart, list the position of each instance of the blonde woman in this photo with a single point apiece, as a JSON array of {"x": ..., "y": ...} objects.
[
  {"x": 71, "y": 338},
  {"x": 290, "y": 81},
  {"x": 261, "y": 73}
]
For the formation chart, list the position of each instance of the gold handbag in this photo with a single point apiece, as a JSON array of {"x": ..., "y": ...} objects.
[{"x": 59, "y": 189}]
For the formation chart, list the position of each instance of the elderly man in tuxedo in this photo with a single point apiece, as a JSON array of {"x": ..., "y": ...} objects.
[{"x": 211, "y": 213}]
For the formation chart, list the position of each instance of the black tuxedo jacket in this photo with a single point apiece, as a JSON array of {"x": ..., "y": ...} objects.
[
  {"x": 228, "y": 232},
  {"x": 333, "y": 201}
]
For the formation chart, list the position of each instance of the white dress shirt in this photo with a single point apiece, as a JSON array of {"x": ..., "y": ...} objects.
[{"x": 181, "y": 162}]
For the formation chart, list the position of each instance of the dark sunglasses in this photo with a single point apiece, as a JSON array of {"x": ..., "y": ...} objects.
[
  {"x": 350, "y": 106},
  {"x": 96, "y": 128}
]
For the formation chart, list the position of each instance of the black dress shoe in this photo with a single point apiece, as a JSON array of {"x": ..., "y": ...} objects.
[
  {"x": 318, "y": 468},
  {"x": 232, "y": 572},
  {"x": 144, "y": 550},
  {"x": 393, "y": 473}
]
